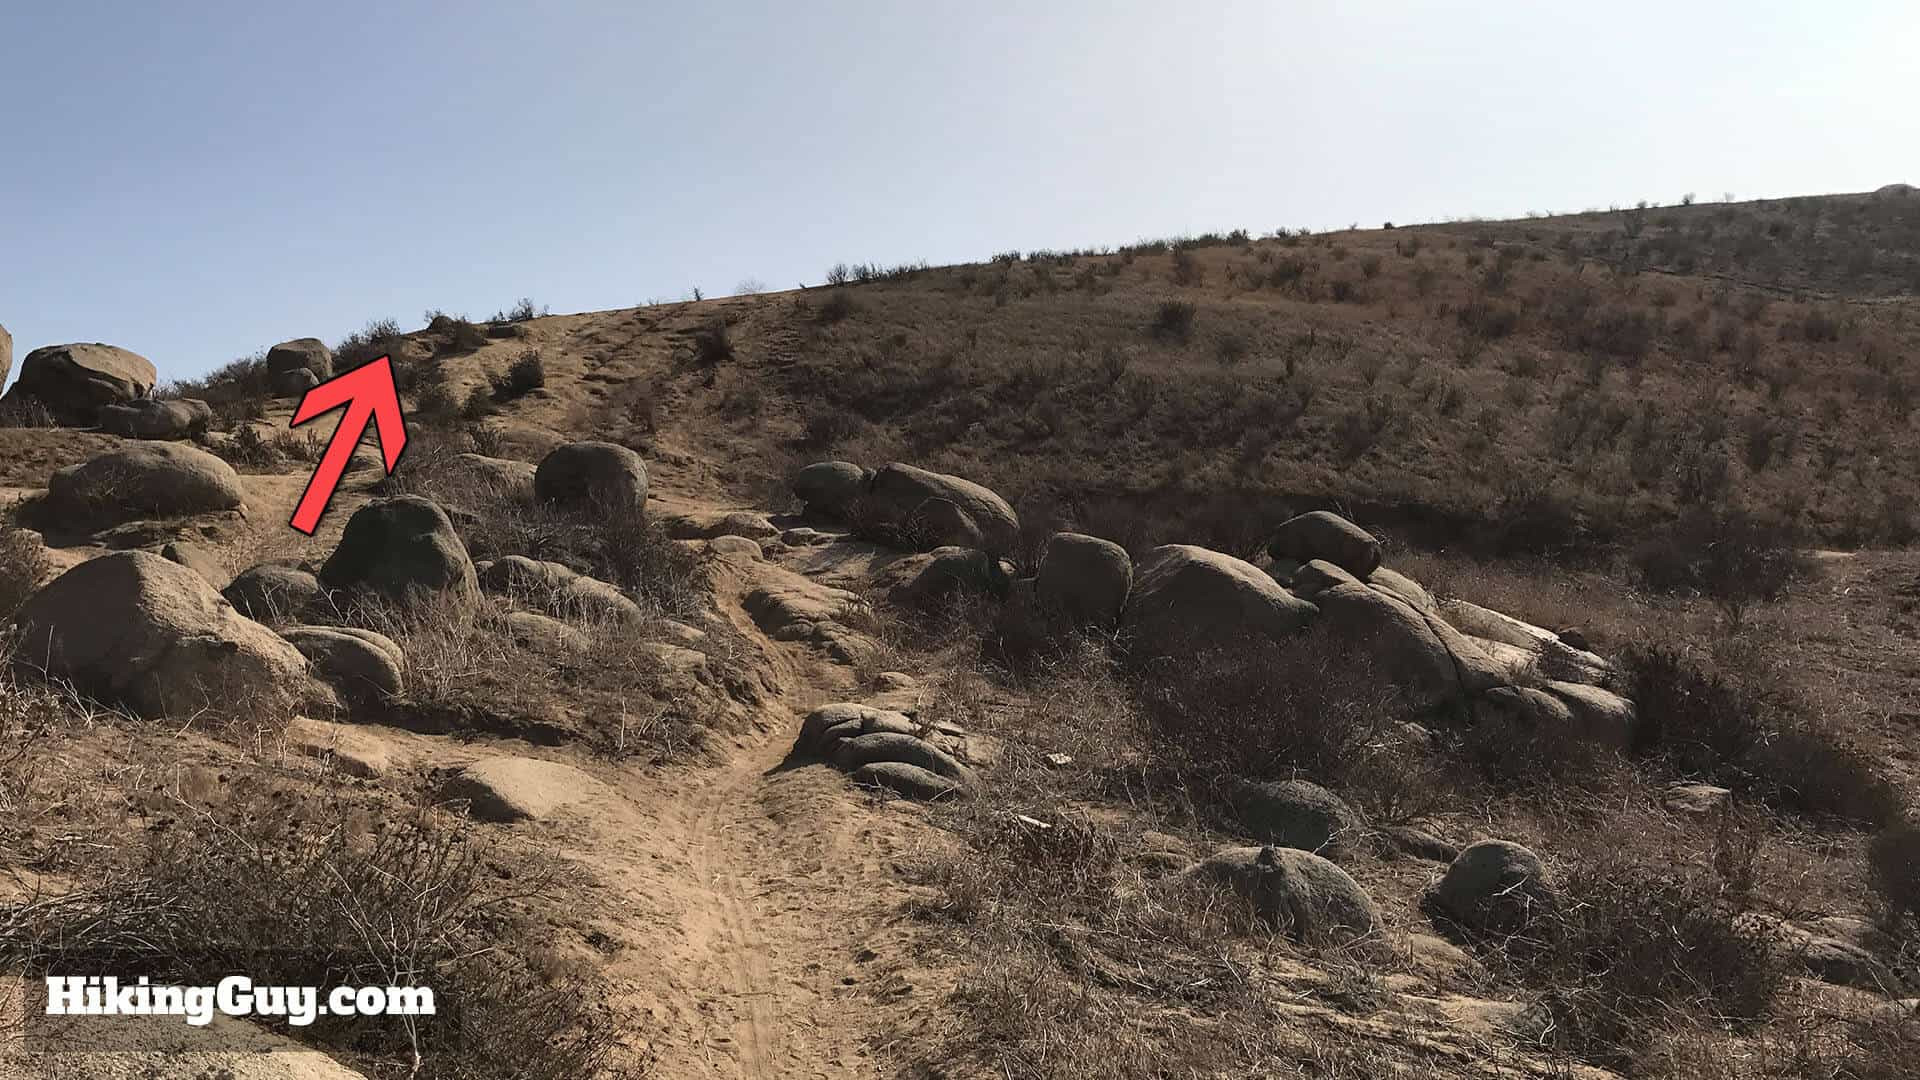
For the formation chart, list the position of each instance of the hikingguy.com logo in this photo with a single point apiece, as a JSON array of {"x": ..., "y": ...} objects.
[{"x": 234, "y": 996}]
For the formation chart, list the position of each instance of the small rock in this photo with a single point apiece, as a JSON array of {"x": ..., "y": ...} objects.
[{"x": 1695, "y": 798}]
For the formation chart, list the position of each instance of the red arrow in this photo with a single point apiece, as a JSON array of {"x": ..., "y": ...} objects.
[{"x": 369, "y": 395}]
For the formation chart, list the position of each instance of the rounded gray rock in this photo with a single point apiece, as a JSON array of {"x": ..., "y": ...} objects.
[
  {"x": 161, "y": 478},
  {"x": 1323, "y": 534},
  {"x": 1298, "y": 892},
  {"x": 601, "y": 476},
  {"x": 831, "y": 488},
  {"x": 398, "y": 545},
  {"x": 358, "y": 663},
  {"x": 1085, "y": 578},
  {"x": 271, "y": 593},
  {"x": 1296, "y": 814},
  {"x": 1494, "y": 885}
]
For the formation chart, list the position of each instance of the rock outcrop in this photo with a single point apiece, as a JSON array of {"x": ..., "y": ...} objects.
[
  {"x": 831, "y": 489},
  {"x": 360, "y": 664},
  {"x": 137, "y": 629},
  {"x": 287, "y": 360},
  {"x": 1326, "y": 535},
  {"x": 273, "y": 593},
  {"x": 146, "y": 480},
  {"x": 74, "y": 381},
  {"x": 1296, "y": 814},
  {"x": 1494, "y": 885}
]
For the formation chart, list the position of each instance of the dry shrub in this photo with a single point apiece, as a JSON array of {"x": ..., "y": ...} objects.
[
  {"x": 525, "y": 375},
  {"x": 26, "y": 412},
  {"x": 1893, "y": 857},
  {"x": 1733, "y": 715},
  {"x": 1633, "y": 950},
  {"x": 23, "y": 565},
  {"x": 1263, "y": 709},
  {"x": 314, "y": 890},
  {"x": 1729, "y": 556},
  {"x": 1173, "y": 320}
]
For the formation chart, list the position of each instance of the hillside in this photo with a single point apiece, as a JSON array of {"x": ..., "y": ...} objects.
[{"x": 1583, "y": 746}]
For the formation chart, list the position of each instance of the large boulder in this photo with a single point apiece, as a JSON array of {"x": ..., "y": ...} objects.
[
  {"x": 6, "y": 355},
  {"x": 903, "y": 496},
  {"x": 1296, "y": 814},
  {"x": 134, "y": 628},
  {"x": 1298, "y": 892},
  {"x": 1494, "y": 885},
  {"x": 360, "y": 664},
  {"x": 1186, "y": 598},
  {"x": 75, "y": 381},
  {"x": 602, "y": 476},
  {"x": 1326, "y": 535},
  {"x": 178, "y": 418},
  {"x": 273, "y": 593},
  {"x": 398, "y": 546},
  {"x": 1084, "y": 578},
  {"x": 831, "y": 489},
  {"x": 301, "y": 354},
  {"x": 1429, "y": 662},
  {"x": 164, "y": 479}
]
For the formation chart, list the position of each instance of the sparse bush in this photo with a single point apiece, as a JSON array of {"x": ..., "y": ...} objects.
[
  {"x": 1488, "y": 320},
  {"x": 712, "y": 344},
  {"x": 479, "y": 404},
  {"x": 1731, "y": 557},
  {"x": 524, "y": 311},
  {"x": 293, "y": 892},
  {"x": 23, "y": 562},
  {"x": 26, "y": 412},
  {"x": 1893, "y": 860},
  {"x": 838, "y": 307},
  {"x": 1173, "y": 320},
  {"x": 362, "y": 347},
  {"x": 1729, "y": 715},
  {"x": 523, "y": 377}
]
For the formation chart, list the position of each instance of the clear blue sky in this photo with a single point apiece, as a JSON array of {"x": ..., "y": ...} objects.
[{"x": 195, "y": 181}]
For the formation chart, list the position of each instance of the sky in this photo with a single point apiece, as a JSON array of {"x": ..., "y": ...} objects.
[{"x": 197, "y": 181}]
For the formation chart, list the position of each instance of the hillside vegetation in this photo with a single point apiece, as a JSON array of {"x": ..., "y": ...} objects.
[{"x": 1519, "y": 386}]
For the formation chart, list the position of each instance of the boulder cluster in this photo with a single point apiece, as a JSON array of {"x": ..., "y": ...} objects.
[
  {"x": 172, "y": 634},
  {"x": 1444, "y": 661},
  {"x": 886, "y": 749},
  {"x": 1320, "y": 574}
]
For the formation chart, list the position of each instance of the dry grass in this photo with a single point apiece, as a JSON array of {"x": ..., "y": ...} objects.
[
  {"x": 1466, "y": 365},
  {"x": 324, "y": 889}
]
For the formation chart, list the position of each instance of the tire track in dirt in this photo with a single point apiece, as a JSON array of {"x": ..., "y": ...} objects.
[{"x": 718, "y": 834}]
